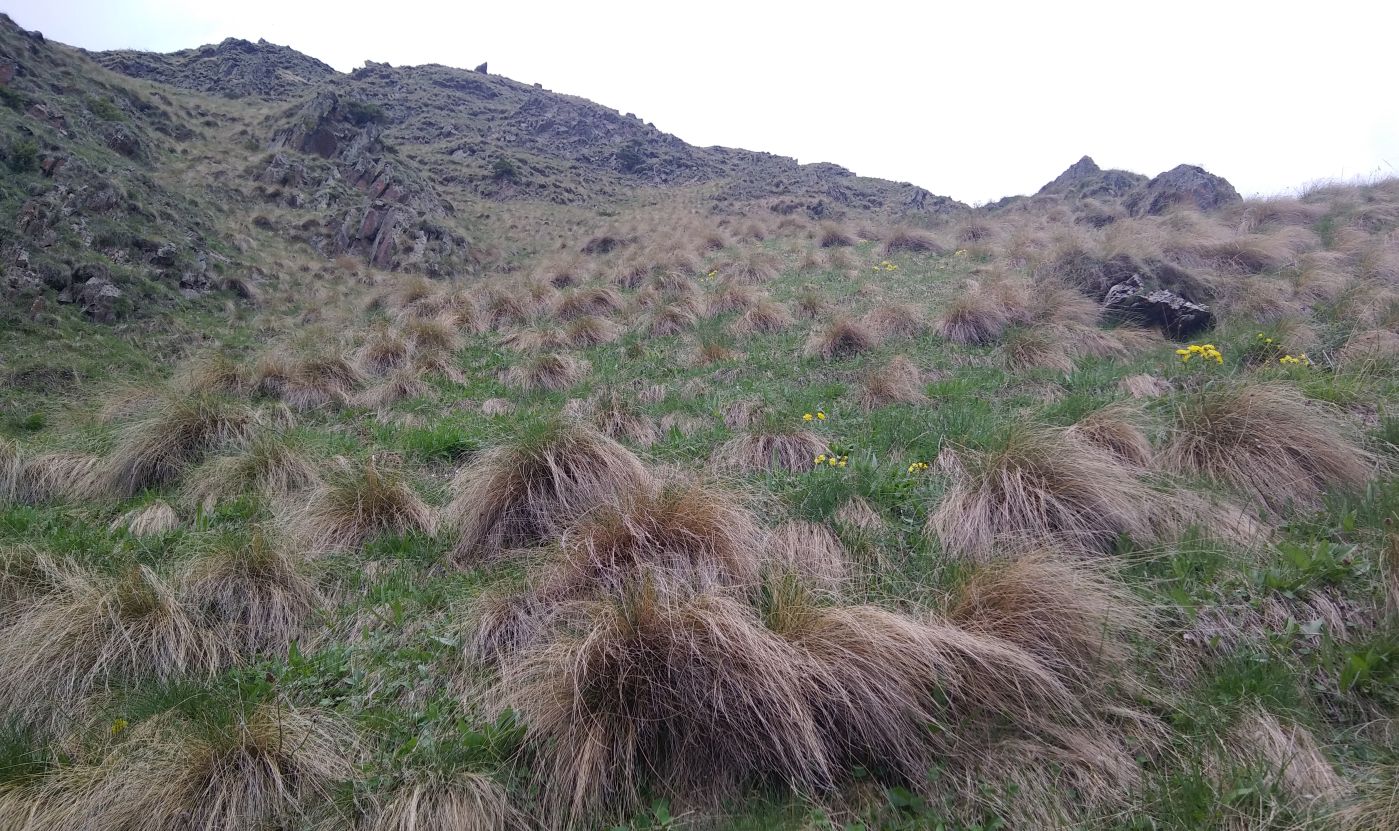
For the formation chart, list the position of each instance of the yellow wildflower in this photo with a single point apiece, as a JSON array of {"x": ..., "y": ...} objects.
[
  {"x": 807, "y": 417},
  {"x": 820, "y": 416}
]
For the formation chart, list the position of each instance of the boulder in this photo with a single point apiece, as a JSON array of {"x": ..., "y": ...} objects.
[
  {"x": 1185, "y": 185},
  {"x": 1085, "y": 180},
  {"x": 122, "y": 139},
  {"x": 481, "y": 68},
  {"x": 1132, "y": 301},
  {"x": 98, "y": 299}
]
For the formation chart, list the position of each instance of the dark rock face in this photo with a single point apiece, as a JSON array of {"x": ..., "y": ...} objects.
[
  {"x": 234, "y": 68},
  {"x": 1177, "y": 317},
  {"x": 1185, "y": 185},
  {"x": 1085, "y": 180},
  {"x": 98, "y": 298},
  {"x": 1146, "y": 292}
]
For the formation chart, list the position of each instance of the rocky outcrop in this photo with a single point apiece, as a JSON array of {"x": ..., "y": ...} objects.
[
  {"x": 234, "y": 68},
  {"x": 1142, "y": 291},
  {"x": 1085, "y": 180},
  {"x": 1182, "y": 186}
]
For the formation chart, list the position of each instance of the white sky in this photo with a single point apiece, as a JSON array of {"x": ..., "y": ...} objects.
[{"x": 975, "y": 100}]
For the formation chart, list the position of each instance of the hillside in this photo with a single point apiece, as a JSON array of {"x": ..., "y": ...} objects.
[{"x": 413, "y": 449}]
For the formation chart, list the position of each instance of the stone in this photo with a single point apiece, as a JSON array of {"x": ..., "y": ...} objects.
[
  {"x": 1131, "y": 300},
  {"x": 99, "y": 300},
  {"x": 481, "y": 68},
  {"x": 1184, "y": 186}
]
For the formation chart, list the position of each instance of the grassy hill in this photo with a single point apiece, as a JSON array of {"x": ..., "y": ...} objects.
[{"x": 476, "y": 457}]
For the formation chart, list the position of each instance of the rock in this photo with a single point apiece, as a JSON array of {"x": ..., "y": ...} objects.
[
  {"x": 481, "y": 69},
  {"x": 1177, "y": 317},
  {"x": 50, "y": 165},
  {"x": 1095, "y": 276},
  {"x": 86, "y": 272},
  {"x": 1187, "y": 185},
  {"x": 122, "y": 139},
  {"x": 166, "y": 255},
  {"x": 7, "y": 72},
  {"x": 48, "y": 115},
  {"x": 99, "y": 300},
  {"x": 1085, "y": 180}
]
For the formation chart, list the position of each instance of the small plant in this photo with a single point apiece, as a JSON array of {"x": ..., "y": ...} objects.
[
  {"x": 1205, "y": 352},
  {"x": 365, "y": 112},
  {"x": 505, "y": 170},
  {"x": 23, "y": 156}
]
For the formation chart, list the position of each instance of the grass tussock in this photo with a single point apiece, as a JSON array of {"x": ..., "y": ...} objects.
[
  {"x": 1117, "y": 431},
  {"x": 94, "y": 630},
  {"x": 793, "y": 451},
  {"x": 897, "y": 382},
  {"x": 672, "y": 319},
  {"x": 600, "y": 301},
  {"x": 148, "y": 520},
  {"x": 616, "y": 704},
  {"x": 307, "y": 382},
  {"x": 254, "y": 592},
  {"x": 812, "y": 553},
  {"x": 973, "y": 318},
  {"x": 1040, "y": 486},
  {"x": 401, "y": 385},
  {"x": 462, "y": 802},
  {"x": 525, "y": 494},
  {"x": 765, "y": 317},
  {"x": 590, "y": 330},
  {"x": 272, "y": 467},
  {"x": 356, "y": 503},
  {"x": 260, "y": 766},
  {"x": 1268, "y": 441},
  {"x": 905, "y": 240},
  {"x": 382, "y": 352},
  {"x": 694, "y": 532},
  {"x": 618, "y": 416},
  {"x": 550, "y": 371},
  {"x": 755, "y": 266},
  {"x": 896, "y": 320},
  {"x": 831, "y": 235},
  {"x": 842, "y": 338},
  {"x": 177, "y": 431}
]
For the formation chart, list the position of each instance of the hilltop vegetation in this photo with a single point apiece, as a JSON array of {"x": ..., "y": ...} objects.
[{"x": 509, "y": 464}]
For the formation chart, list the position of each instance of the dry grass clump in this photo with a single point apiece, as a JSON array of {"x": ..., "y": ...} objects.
[
  {"x": 253, "y": 592},
  {"x": 1373, "y": 349},
  {"x": 148, "y": 520},
  {"x": 1117, "y": 431},
  {"x": 692, "y": 693},
  {"x": 550, "y": 371},
  {"x": 731, "y": 296},
  {"x": 904, "y": 240},
  {"x": 11, "y": 469},
  {"x": 1037, "y": 347},
  {"x": 461, "y": 802},
  {"x": 401, "y": 385},
  {"x": 755, "y": 266},
  {"x": 497, "y": 407},
  {"x": 218, "y": 373},
  {"x": 762, "y": 451},
  {"x": 811, "y": 552},
  {"x": 1072, "y": 619},
  {"x": 540, "y": 336},
  {"x": 618, "y": 416},
  {"x": 501, "y": 308},
  {"x": 384, "y": 351},
  {"x": 896, "y": 320},
  {"x": 584, "y": 302},
  {"x": 271, "y": 466},
  {"x": 764, "y": 317},
  {"x": 93, "y": 630},
  {"x": 1145, "y": 386},
  {"x": 245, "y": 766},
  {"x": 355, "y": 504},
  {"x": 432, "y": 335},
  {"x": 711, "y": 348},
  {"x": 897, "y": 382},
  {"x": 61, "y": 475},
  {"x": 590, "y": 330},
  {"x": 307, "y": 382},
  {"x": 973, "y": 318},
  {"x": 1290, "y": 755},
  {"x": 1041, "y": 487},
  {"x": 1269, "y": 441},
  {"x": 841, "y": 338},
  {"x": 525, "y": 494},
  {"x": 811, "y": 303},
  {"x": 176, "y": 431},
  {"x": 692, "y": 532},
  {"x": 832, "y": 235},
  {"x": 672, "y": 319}
]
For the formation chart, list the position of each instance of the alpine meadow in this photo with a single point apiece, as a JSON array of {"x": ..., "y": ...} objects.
[{"x": 414, "y": 449}]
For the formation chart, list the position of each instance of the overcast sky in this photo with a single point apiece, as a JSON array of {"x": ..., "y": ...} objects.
[{"x": 975, "y": 100}]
